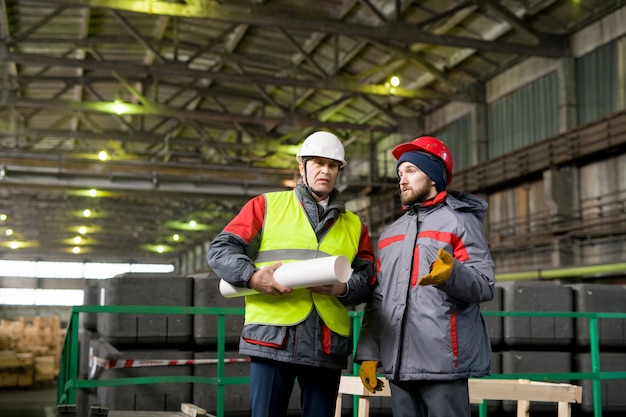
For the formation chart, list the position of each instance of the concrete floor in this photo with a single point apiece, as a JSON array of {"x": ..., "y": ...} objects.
[
  {"x": 28, "y": 402},
  {"x": 42, "y": 402}
]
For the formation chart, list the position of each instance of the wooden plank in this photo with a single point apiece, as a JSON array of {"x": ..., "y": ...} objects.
[
  {"x": 486, "y": 389},
  {"x": 523, "y": 391},
  {"x": 352, "y": 385},
  {"x": 192, "y": 410},
  {"x": 492, "y": 389}
]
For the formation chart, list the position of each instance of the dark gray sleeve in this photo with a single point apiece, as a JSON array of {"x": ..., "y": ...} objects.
[
  {"x": 473, "y": 280},
  {"x": 368, "y": 347},
  {"x": 228, "y": 256}
]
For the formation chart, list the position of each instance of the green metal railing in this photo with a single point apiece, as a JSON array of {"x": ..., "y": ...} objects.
[
  {"x": 596, "y": 376},
  {"x": 69, "y": 383}
]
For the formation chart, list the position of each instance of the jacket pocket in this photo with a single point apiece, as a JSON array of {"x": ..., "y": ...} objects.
[
  {"x": 335, "y": 344},
  {"x": 264, "y": 335}
]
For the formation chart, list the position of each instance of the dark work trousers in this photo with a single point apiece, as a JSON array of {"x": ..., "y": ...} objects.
[
  {"x": 271, "y": 384},
  {"x": 430, "y": 398}
]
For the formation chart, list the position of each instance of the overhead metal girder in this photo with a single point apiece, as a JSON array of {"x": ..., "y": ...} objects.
[
  {"x": 265, "y": 15},
  {"x": 197, "y": 115},
  {"x": 177, "y": 69},
  {"x": 61, "y": 169}
]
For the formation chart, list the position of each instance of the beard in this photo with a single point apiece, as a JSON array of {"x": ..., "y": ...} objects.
[{"x": 414, "y": 196}]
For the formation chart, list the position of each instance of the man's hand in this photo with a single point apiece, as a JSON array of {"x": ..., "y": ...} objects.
[
  {"x": 440, "y": 270},
  {"x": 367, "y": 373},
  {"x": 263, "y": 281}
]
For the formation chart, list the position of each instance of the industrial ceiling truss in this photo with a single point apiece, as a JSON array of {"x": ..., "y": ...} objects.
[{"x": 200, "y": 105}]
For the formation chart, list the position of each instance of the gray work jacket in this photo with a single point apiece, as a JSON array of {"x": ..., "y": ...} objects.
[{"x": 433, "y": 332}]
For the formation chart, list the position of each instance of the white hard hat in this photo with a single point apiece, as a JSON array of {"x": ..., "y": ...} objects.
[{"x": 322, "y": 145}]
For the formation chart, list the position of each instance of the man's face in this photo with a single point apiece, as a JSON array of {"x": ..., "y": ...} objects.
[
  {"x": 415, "y": 186},
  {"x": 321, "y": 176}
]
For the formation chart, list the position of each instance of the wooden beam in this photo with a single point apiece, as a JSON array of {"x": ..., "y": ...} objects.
[{"x": 523, "y": 391}]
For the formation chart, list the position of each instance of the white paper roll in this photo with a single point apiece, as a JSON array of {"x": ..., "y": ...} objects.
[{"x": 301, "y": 274}]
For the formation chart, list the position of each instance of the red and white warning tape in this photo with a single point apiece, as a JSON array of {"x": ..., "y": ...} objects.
[{"x": 137, "y": 363}]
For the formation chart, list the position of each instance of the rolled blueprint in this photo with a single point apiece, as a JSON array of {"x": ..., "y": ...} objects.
[{"x": 301, "y": 274}]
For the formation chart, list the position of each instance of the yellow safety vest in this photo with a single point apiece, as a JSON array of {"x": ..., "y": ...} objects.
[{"x": 287, "y": 237}]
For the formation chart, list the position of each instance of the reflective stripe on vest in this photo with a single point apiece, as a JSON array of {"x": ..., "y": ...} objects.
[{"x": 287, "y": 237}]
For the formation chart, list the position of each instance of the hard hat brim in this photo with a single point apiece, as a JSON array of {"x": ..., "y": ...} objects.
[
  {"x": 301, "y": 158},
  {"x": 405, "y": 147}
]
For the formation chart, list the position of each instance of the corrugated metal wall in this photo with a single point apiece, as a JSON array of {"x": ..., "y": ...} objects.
[
  {"x": 596, "y": 83},
  {"x": 523, "y": 117},
  {"x": 456, "y": 135}
]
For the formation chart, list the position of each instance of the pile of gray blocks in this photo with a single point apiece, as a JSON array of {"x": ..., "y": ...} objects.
[
  {"x": 145, "y": 329},
  {"x": 559, "y": 344},
  {"x": 519, "y": 344},
  {"x": 104, "y": 337},
  {"x": 206, "y": 294}
]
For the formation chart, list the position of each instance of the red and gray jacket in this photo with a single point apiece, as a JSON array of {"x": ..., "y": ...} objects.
[{"x": 433, "y": 332}]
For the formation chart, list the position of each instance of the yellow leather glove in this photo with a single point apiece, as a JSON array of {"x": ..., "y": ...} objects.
[
  {"x": 440, "y": 270},
  {"x": 368, "y": 376}
]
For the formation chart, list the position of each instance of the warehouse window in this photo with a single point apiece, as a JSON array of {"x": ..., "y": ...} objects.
[
  {"x": 62, "y": 270},
  {"x": 40, "y": 297},
  {"x": 88, "y": 270}
]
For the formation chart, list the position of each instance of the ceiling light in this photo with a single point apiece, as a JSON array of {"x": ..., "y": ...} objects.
[
  {"x": 77, "y": 240},
  {"x": 8, "y": 232},
  {"x": 187, "y": 225},
  {"x": 103, "y": 156},
  {"x": 394, "y": 81},
  {"x": 75, "y": 249},
  {"x": 160, "y": 248},
  {"x": 82, "y": 230},
  {"x": 93, "y": 192},
  {"x": 176, "y": 237},
  {"x": 118, "y": 107},
  {"x": 14, "y": 245},
  {"x": 3, "y": 217},
  {"x": 87, "y": 213}
]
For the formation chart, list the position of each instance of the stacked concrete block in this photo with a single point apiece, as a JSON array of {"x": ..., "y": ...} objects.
[
  {"x": 520, "y": 344},
  {"x": 145, "y": 397},
  {"x": 522, "y": 362},
  {"x": 207, "y": 294},
  {"x": 612, "y": 390},
  {"x": 91, "y": 292},
  {"x": 236, "y": 397},
  {"x": 379, "y": 406},
  {"x": 606, "y": 299},
  {"x": 148, "y": 290},
  {"x": 537, "y": 296}
]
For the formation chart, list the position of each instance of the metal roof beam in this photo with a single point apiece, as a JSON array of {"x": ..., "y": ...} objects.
[
  {"x": 173, "y": 69},
  {"x": 265, "y": 15},
  {"x": 203, "y": 116}
]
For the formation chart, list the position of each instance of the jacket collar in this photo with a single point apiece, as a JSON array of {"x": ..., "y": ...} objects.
[{"x": 335, "y": 199}]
